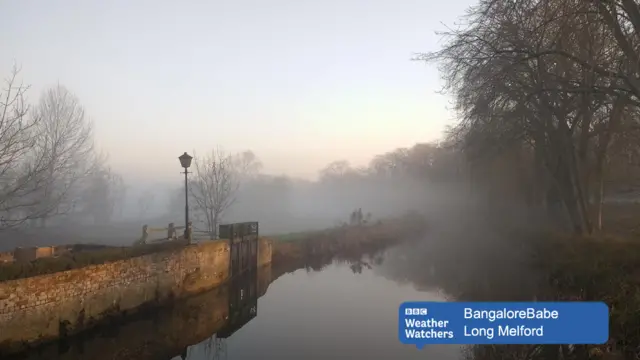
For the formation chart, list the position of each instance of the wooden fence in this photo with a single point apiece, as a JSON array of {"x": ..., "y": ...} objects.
[{"x": 170, "y": 233}]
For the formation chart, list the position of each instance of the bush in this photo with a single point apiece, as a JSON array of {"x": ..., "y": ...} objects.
[{"x": 597, "y": 269}]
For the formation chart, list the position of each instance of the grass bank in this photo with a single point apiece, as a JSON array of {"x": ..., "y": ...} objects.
[
  {"x": 510, "y": 265},
  {"x": 295, "y": 248},
  {"x": 317, "y": 249},
  {"x": 571, "y": 268},
  {"x": 602, "y": 268}
]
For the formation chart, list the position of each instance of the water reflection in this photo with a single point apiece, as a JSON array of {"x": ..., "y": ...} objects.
[
  {"x": 321, "y": 309},
  {"x": 170, "y": 332},
  {"x": 243, "y": 296}
]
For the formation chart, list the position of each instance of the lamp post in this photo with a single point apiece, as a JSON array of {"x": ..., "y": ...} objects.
[{"x": 185, "y": 162}]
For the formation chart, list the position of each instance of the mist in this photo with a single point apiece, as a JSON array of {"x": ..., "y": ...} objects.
[{"x": 112, "y": 212}]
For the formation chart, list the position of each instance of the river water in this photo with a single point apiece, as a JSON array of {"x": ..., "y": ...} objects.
[
  {"x": 331, "y": 314},
  {"x": 341, "y": 312}
]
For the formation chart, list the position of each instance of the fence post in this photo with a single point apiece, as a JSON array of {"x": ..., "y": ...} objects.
[
  {"x": 145, "y": 234},
  {"x": 171, "y": 232}
]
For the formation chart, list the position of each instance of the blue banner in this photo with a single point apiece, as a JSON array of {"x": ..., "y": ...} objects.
[{"x": 426, "y": 323}]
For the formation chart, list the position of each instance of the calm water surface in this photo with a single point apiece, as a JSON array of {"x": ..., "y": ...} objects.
[
  {"x": 331, "y": 314},
  {"x": 336, "y": 313}
]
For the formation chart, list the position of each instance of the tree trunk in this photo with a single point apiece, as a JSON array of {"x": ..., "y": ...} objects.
[
  {"x": 600, "y": 203},
  {"x": 599, "y": 193},
  {"x": 211, "y": 224},
  {"x": 580, "y": 196},
  {"x": 541, "y": 188},
  {"x": 571, "y": 182},
  {"x": 602, "y": 153},
  {"x": 215, "y": 226},
  {"x": 570, "y": 196}
]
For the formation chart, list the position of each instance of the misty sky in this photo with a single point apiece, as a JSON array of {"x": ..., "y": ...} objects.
[{"x": 301, "y": 83}]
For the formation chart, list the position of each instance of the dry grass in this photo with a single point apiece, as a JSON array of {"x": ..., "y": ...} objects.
[
  {"x": 594, "y": 268},
  {"x": 79, "y": 259},
  {"x": 479, "y": 262},
  {"x": 603, "y": 267}
]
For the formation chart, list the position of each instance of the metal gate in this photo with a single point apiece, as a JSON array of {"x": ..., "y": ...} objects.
[
  {"x": 243, "y": 246},
  {"x": 243, "y": 302}
]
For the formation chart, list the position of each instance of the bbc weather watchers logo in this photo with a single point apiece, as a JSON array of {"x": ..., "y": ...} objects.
[
  {"x": 416, "y": 311},
  {"x": 468, "y": 323}
]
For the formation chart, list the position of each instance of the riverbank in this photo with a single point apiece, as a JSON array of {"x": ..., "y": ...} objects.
[
  {"x": 482, "y": 263},
  {"x": 348, "y": 243},
  {"x": 104, "y": 295},
  {"x": 597, "y": 268},
  {"x": 166, "y": 332},
  {"x": 58, "y": 303}
]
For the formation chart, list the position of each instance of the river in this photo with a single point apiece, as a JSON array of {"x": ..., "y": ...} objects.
[{"x": 340, "y": 312}]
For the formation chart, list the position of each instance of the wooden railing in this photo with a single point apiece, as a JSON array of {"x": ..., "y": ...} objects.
[{"x": 170, "y": 233}]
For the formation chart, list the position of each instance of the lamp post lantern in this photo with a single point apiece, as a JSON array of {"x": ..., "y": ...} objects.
[{"x": 185, "y": 162}]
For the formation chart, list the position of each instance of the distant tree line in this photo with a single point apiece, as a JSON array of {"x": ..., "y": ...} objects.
[
  {"x": 547, "y": 95},
  {"x": 230, "y": 186},
  {"x": 548, "y": 91}
]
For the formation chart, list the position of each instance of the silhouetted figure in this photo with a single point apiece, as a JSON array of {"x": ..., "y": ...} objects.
[{"x": 352, "y": 218}]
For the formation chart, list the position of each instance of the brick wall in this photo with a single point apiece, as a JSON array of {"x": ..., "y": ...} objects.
[{"x": 46, "y": 306}]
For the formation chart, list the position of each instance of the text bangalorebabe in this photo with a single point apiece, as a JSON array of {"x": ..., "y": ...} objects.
[
  {"x": 432, "y": 328},
  {"x": 506, "y": 314}
]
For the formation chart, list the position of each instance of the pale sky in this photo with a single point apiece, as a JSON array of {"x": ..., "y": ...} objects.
[{"x": 301, "y": 83}]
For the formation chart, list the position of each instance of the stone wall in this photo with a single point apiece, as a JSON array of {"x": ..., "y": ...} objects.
[
  {"x": 6, "y": 256},
  {"x": 164, "y": 334},
  {"x": 48, "y": 306},
  {"x": 31, "y": 253},
  {"x": 265, "y": 249}
]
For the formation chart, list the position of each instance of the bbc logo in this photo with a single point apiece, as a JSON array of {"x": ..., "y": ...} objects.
[{"x": 415, "y": 311}]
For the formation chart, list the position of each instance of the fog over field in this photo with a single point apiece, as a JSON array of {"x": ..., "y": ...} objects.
[
  {"x": 513, "y": 127},
  {"x": 327, "y": 119},
  {"x": 90, "y": 137}
]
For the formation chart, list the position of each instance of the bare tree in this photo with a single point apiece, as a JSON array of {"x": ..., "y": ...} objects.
[
  {"x": 214, "y": 186},
  {"x": 65, "y": 141},
  {"x": 335, "y": 170},
  {"x": 23, "y": 168},
  {"x": 247, "y": 164},
  {"x": 528, "y": 78},
  {"x": 117, "y": 192},
  {"x": 103, "y": 195}
]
